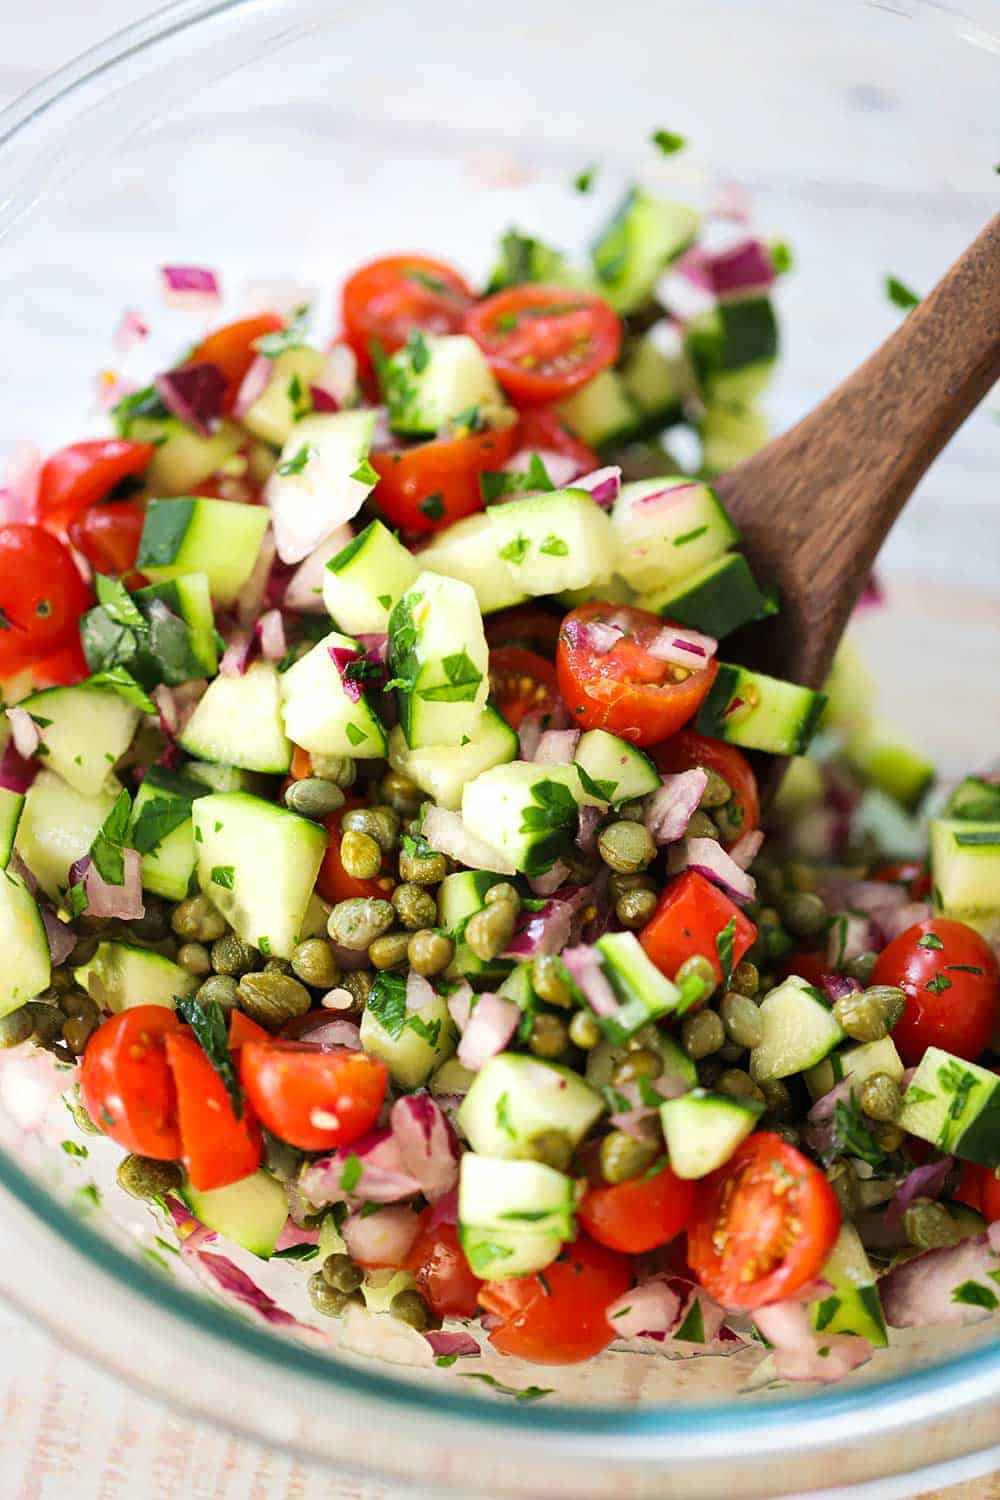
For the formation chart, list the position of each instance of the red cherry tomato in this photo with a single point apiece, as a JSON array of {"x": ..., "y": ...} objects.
[
  {"x": 689, "y": 748},
  {"x": 441, "y": 1271},
  {"x": 525, "y": 625},
  {"x": 559, "y": 1316},
  {"x": 627, "y": 690},
  {"x": 690, "y": 918},
  {"x": 989, "y": 1198},
  {"x": 912, "y": 873},
  {"x": 313, "y": 1097},
  {"x": 242, "y": 1029},
  {"x": 521, "y": 682},
  {"x": 428, "y": 487},
  {"x": 812, "y": 966},
  {"x": 216, "y": 1147},
  {"x": 763, "y": 1224},
  {"x": 84, "y": 473},
  {"x": 62, "y": 669},
  {"x": 385, "y": 299},
  {"x": 108, "y": 535},
  {"x": 333, "y": 882},
  {"x": 231, "y": 350},
  {"x": 639, "y": 1215},
  {"x": 41, "y": 597},
  {"x": 542, "y": 429},
  {"x": 127, "y": 1085},
  {"x": 951, "y": 980},
  {"x": 544, "y": 342}
]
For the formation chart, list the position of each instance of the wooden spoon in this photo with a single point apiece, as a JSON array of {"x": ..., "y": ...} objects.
[{"x": 816, "y": 505}]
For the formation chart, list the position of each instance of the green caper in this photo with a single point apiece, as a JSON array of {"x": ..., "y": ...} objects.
[
  {"x": 503, "y": 891},
  {"x": 643, "y": 1062},
  {"x": 717, "y": 790},
  {"x": 804, "y": 913},
  {"x": 76, "y": 1002},
  {"x": 728, "y": 820},
  {"x": 618, "y": 884},
  {"x": 16, "y": 1027},
  {"x": 844, "y": 1183},
  {"x": 929, "y": 1225},
  {"x": 47, "y": 1022},
  {"x": 73, "y": 1101},
  {"x": 626, "y": 847},
  {"x": 360, "y": 855},
  {"x": 409, "y": 1307},
  {"x": 702, "y": 1034},
  {"x": 272, "y": 999},
  {"x": 328, "y": 1300},
  {"x": 730, "y": 1052},
  {"x": 701, "y": 826},
  {"x": 634, "y": 908},
  {"x": 141, "y": 1177},
  {"x": 83, "y": 949},
  {"x": 710, "y": 1070},
  {"x": 488, "y": 932},
  {"x": 401, "y": 793},
  {"x": 379, "y": 823},
  {"x": 861, "y": 968},
  {"x": 745, "y": 979},
  {"x": 880, "y": 1097},
  {"x": 697, "y": 967},
  {"x": 414, "y": 906},
  {"x": 154, "y": 922},
  {"x": 633, "y": 811},
  {"x": 76, "y": 1033},
  {"x": 584, "y": 1032},
  {"x": 358, "y": 984},
  {"x": 739, "y": 1085},
  {"x": 62, "y": 979},
  {"x": 340, "y": 769},
  {"x": 358, "y": 921},
  {"x": 623, "y": 1157},
  {"x": 777, "y": 1098},
  {"x": 195, "y": 958},
  {"x": 887, "y": 1135},
  {"x": 231, "y": 955},
  {"x": 800, "y": 876},
  {"x": 340, "y": 1272},
  {"x": 389, "y": 951},
  {"x": 196, "y": 920},
  {"x": 430, "y": 952},
  {"x": 549, "y": 1035},
  {"x": 869, "y": 1015},
  {"x": 315, "y": 963},
  {"x": 314, "y": 797},
  {"x": 422, "y": 867},
  {"x": 552, "y": 1147},
  {"x": 548, "y": 976},
  {"x": 221, "y": 988},
  {"x": 741, "y": 1017}
]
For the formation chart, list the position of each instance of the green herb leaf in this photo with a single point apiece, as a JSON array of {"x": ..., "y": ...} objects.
[
  {"x": 504, "y": 1122},
  {"x": 692, "y": 1330},
  {"x": 292, "y": 337},
  {"x": 554, "y": 546},
  {"x": 208, "y": 1022},
  {"x": 72, "y": 1148},
  {"x": 826, "y": 1311},
  {"x": 351, "y": 1174},
  {"x": 584, "y": 181},
  {"x": 668, "y": 141},
  {"x": 529, "y": 1393},
  {"x": 365, "y": 473},
  {"x": 605, "y": 790},
  {"x": 432, "y": 506},
  {"x": 899, "y": 293},
  {"x": 515, "y": 550},
  {"x": 419, "y": 353},
  {"x": 298, "y": 462},
  {"x": 445, "y": 1361},
  {"x": 930, "y": 940},
  {"x": 117, "y": 601},
  {"x": 387, "y": 1003},
  {"x": 428, "y": 1031},
  {"x": 78, "y": 902},
  {"x": 355, "y": 733},
  {"x": 690, "y": 536},
  {"x": 524, "y": 258},
  {"x": 144, "y": 403},
  {"x": 964, "y": 969},
  {"x": 158, "y": 818},
  {"x": 224, "y": 875},
  {"x": 974, "y": 1294},
  {"x": 463, "y": 681},
  {"x": 852, "y": 1134},
  {"x": 296, "y": 1252},
  {"x": 107, "y": 850},
  {"x": 782, "y": 258},
  {"x": 724, "y": 948},
  {"x": 938, "y": 984},
  {"x": 125, "y": 685},
  {"x": 959, "y": 1082}
]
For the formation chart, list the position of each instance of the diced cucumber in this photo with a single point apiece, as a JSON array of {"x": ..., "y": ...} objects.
[
  {"x": 439, "y": 660},
  {"x": 434, "y": 381},
  {"x": 656, "y": 382},
  {"x": 183, "y": 459},
  {"x": 521, "y": 1197},
  {"x": 381, "y": 1286},
  {"x": 801, "y": 788},
  {"x": 515, "y": 1099},
  {"x": 26, "y": 966},
  {"x": 226, "y": 778},
  {"x": 120, "y": 976},
  {"x": 305, "y": 588},
  {"x": 850, "y": 690},
  {"x": 955, "y": 1105},
  {"x": 412, "y": 1044},
  {"x": 258, "y": 864},
  {"x": 58, "y": 825},
  {"x": 528, "y": 812},
  {"x": 322, "y": 480},
  {"x": 702, "y": 1130},
  {"x": 603, "y": 1059},
  {"x": 643, "y": 992},
  {"x": 893, "y": 766},
  {"x": 467, "y": 551},
  {"x": 860, "y": 1063},
  {"x": 965, "y": 864},
  {"x": 362, "y": 583},
  {"x": 550, "y": 542},
  {"x": 176, "y": 644},
  {"x": 442, "y": 770},
  {"x": 502, "y": 1255},
  {"x": 286, "y": 396},
  {"x": 729, "y": 434},
  {"x": 82, "y": 730},
  {"x": 854, "y": 1305},
  {"x": 238, "y": 722},
  {"x": 523, "y": 258},
  {"x": 166, "y": 845},
  {"x": 716, "y": 599},
  {"x": 451, "y": 1078},
  {"x": 733, "y": 348},
  {"x": 219, "y": 538},
  {"x": 760, "y": 713},
  {"x": 251, "y": 1212},
  {"x": 613, "y": 590},
  {"x": 799, "y": 1030},
  {"x": 460, "y": 895},
  {"x": 602, "y": 411},
  {"x": 643, "y": 236},
  {"x": 975, "y": 800},
  {"x": 319, "y": 713},
  {"x": 663, "y": 530},
  {"x": 615, "y": 770},
  {"x": 11, "y": 805}
]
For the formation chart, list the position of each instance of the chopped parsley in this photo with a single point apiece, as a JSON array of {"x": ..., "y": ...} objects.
[
  {"x": 930, "y": 940},
  {"x": 351, "y": 1173},
  {"x": 418, "y": 352},
  {"x": 387, "y": 1003},
  {"x": 692, "y": 1330},
  {"x": 73, "y": 1148},
  {"x": 118, "y": 602},
  {"x": 107, "y": 852},
  {"x": 125, "y": 685},
  {"x": 584, "y": 181},
  {"x": 605, "y": 790},
  {"x": 938, "y": 984},
  {"x": 427, "y": 1031},
  {"x": 463, "y": 681},
  {"x": 852, "y": 1134},
  {"x": 516, "y": 550},
  {"x": 503, "y": 1116},
  {"x": 724, "y": 948},
  {"x": 208, "y": 1022},
  {"x": 554, "y": 546},
  {"x": 690, "y": 536},
  {"x": 365, "y": 473},
  {"x": 224, "y": 875},
  {"x": 432, "y": 506},
  {"x": 668, "y": 141},
  {"x": 782, "y": 259},
  {"x": 355, "y": 734},
  {"x": 292, "y": 337},
  {"x": 899, "y": 294},
  {"x": 157, "y": 818},
  {"x": 974, "y": 1294},
  {"x": 529, "y": 1392},
  {"x": 297, "y": 464}
]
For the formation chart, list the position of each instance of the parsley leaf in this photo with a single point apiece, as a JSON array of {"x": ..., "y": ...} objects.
[
  {"x": 692, "y": 1330},
  {"x": 428, "y": 1031},
  {"x": 930, "y": 940},
  {"x": 355, "y": 733},
  {"x": 224, "y": 875},
  {"x": 584, "y": 181},
  {"x": 554, "y": 546},
  {"x": 782, "y": 259},
  {"x": 418, "y": 352},
  {"x": 387, "y": 1002},
  {"x": 292, "y": 337},
  {"x": 668, "y": 141},
  {"x": 975, "y": 1294},
  {"x": 515, "y": 551},
  {"x": 503, "y": 1116},
  {"x": 296, "y": 464},
  {"x": 157, "y": 818},
  {"x": 852, "y": 1134},
  {"x": 432, "y": 506},
  {"x": 463, "y": 680},
  {"x": 118, "y": 602},
  {"x": 938, "y": 984},
  {"x": 208, "y": 1022},
  {"x": 724, "y": 948},
  {"x": 529, "y": 1393},
  {"x": 899, "y": 293},
  {"x": 351, "y": 1174},
  {"x": 125, "y": 685},
  {"x": 605, "y": 790},
  {"x": 107, "y": 852},
  {"x": 365, "y": 473}
]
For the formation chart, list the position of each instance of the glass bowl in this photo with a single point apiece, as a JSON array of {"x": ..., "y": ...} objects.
[{"x": 284, "y": 141}]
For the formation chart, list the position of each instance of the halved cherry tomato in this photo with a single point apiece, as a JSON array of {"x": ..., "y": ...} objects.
[
  {"x": 812, "y": 966},
  {"x": 689, "y": 748},
  {"x": 41, "y": 597},
  {"x": 989, "y": 1198},
  {"x": 764, "y": 1224},
  {"x": 242, "y": 1029},
  {"x": 541, "y": 428},
  {"x": 627, "y": 689},
  {"x": 913, "y": 873},
  {"x": 559, "y": 1315},
  {"x": 333, "y": 882},
  {"x": 302, "y": 765},
  {"x": 951, "y": 980},
  {"x": 525, "y": 625},
  {"x": 521, "y": 682},
  {"x": 385, "y": 299},
  {"x": 313, "y": 1097},
  {"x": 690, "y": 918},
  {"x": 108, "y": 535},
  {"x": 544, "y": 342},
  {"x": 639, "y": 1215},
  {"x": 231, "y": 350},
  {"x": 84, "y": 473},
  {"x": 216, "y": 1147},
  {"x": 442, "y": 1273},
  {"x": 62, "y": 669},
  {"x": 428, "y": 487},
  {"x": 127, "y": 1085},
  {"x": 970, "y": 1185}
]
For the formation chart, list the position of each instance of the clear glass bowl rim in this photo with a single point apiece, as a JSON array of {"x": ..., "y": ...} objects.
[{"x": 934, "y": 1390}]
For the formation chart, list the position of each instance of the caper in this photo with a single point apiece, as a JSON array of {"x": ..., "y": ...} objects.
[
  {"x": 340, "y": 1272},
  {"x": 880, "y": 1097},
  {"x": 314, "y": 797},
  {"x": 429, "y": 952},
  {"x": 701, "y": 826},
  {"x": 729, "y": 820},
  {"x": 154, "y": 922},
  {"x": 422, "y": 867},
  {"x": 16, "y": 1027},
  {"x": 272, "y": 999},
  {"x": 221, "y": 988},
  {"x": 414, "y": 906},
  {"x": 869, "y": 1015},
  {"x": 804, "y": 913},
  {"x": 488, "y": 932},
  {"x": 739, "y": 1085},
  {"x": 552, "y": 1147},
  {"x": 584, "y": 1032},
  {"x": 887, "y": 1135},
  {"x": 745, "y": 979},
  {"x": 276, "y": 966},
  {"x": 626, "y": 847},
  {"x": 340, "y": 769},
  {"x": 378, "y": 823},
  {"x": 358, "y": 921},
  {"x": 702, "y": 1034},
  {"x": 642, "y": 1063},
  {"x": 503, "y": 891},
  {"x": 623, "y": 1157},
  {"x": 717, "y": 789},
  {"x": 730, "y": 1052},
  {"x": 861, "y": 968},
  {"x": 549, "y": 1035},
  {"x": 777, "y": 1098},
  {"x": 800, "y": 876},
  {"x": 634, "y": 908},
  {"x": 358, "y": 983},
  {"x": 929, "y": 1225},
  {"x": 389, "y": 951},
  {"x": 697, "y": 967},
  {"x": 197, "y": 920},
  {"x": 548, "y": 976},
  {"x": 315, "y": 963},
  {"x": 741, "y": 1017},
  {"x": 141, "y": 1177},
  {"x": 618, "y": 884},
  {"x": 328, "y": 1300},
  {"x": 83, "y": 949},
  {"x": 360, "y": 855},
  {"x": 76, "y": 1002},
  {"x": 76, "y": 1033},
  {"x": 770, "y": 879},
  {"x": 195, "y": 958},
  {"x": 231, "y": 955},
  {"x": 633, "y": 811},
  {"x": 845, "y": 1185},
  {"x": 401, "y": 793},
  {"x": 47, "y": 1022},
  {"x": 409, "y": 1307}
]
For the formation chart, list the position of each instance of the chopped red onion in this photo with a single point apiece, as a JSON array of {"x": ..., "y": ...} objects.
[
  {"x": 600, "y": 637},
  {"x": 586, "y": 971},
  {"x": 428, "y": 1147},
  {"x": 189, "y": 283},
  {"x": 708, "y": 858},
  {"x": 893, "y": 923},
  {"x": 342, "y": 656},
  {"x": 650, "y": 1307},
  {"x": 560, "y": 467},
  {"x": 797, "y": 1346},
  {"x": 589, "y": 821},
  {"x": 227, "y": 1275},
  {"x": 872, "y": 596},
  {"x": 730, "y": 201},
  {"x": 850, "y": 936},
  {"x": 444, "y": 1210},
  {"x": 293, "y": 1235},
  {"x": 383, "y": 1238},
  {"x": 920, "y": 1292},
  {"x": 19, "y": 489},
  {"x": 252, "y": 386},
  {"x": 322, "y": 401},
  {"x": 686, "y": 290},
  {"x": 304, "y": 590},
  {"x": 270, "y": 631},
  {"x": 746, "y": 848},
  {"x": 670, "y": 808},
  {"x": 546, "y": 931},
  {"x": 323, "y": 1030},
  {"x": 338, "y": 379},
  {"x": 351, "y": 960},
  {"x": 447, "y": 834},
  {"x": 826, "y": 1104},
  {"x": 23, "y": 732},
  {"x": 460, "y": 1004},
  {"x": 492, "y": 1023},
  {"x": 633, "y": 1121},
  {"x": 923, "y": 1182},
  {"x": 684, "y": 648},
  {"x": 236, "y": 657},
  {"x": 16, "y": 773},
  {"x": 124, "y": 901},
  {"x": 254, "y": 591},
  {"x": 60, "y": 935},
  {"x": 131, "y": 330},
  {"x": 556, "y": 747},
  {"x": 993, "y": 1236},
  {"x": 602, "y": 484},
  {"x": 530, "y": 733},
  {"x": 383, "y": 1177},
  {"x": 419, "y": 991},
  {"x": 194, "y": 394},
  {"x": 838, "y": 986},
  {"x": 447, "y": 1345},
  {"x": 166, "y": 708},
  {"x": 545, "y": 885},
  {"x": 743, "y": 271}
]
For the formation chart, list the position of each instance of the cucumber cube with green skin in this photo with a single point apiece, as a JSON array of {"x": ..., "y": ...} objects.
[
  {"x": 760, "y": 713},
  {"x": 11, "y": 805},
  {"x": 613, "y": 769},
  {"x": 603, "y": 1059},
  {"x": 226, "y": 778},
  {"x": 663, "y": 530},
  {"x": 238, "y": 722},
  {"x": 656, "y": 381},
  {"x": 176, "y": 643},
  {"x": 644, "y": 235},
  {"x": 955, "y": 1105},
  {"x": 258, "y": 864},
  {"x": 320, "y": 714},
  {"x": 716, "y": 599},
  {"x": 965, "y": 865},
  {"x": 853, "y": 1305},
  {"x": 860, "y": 1062},
  {"x": 528, "y": 812},
  {"x": 57, "y": 827},
  {"x": 885, "y": 761},
  {"x": 120, "y": 975},
  {"x": 729, "y": 434},
  {"x": 459, "y": 896},
  {"x": 321, "y": 481},
  {"x": 644, "y": 994},
  {"x": 799, "y": 1030},
  {"x": 733, "y": 349},
  {"x": 702, "y": 1130},
  {"x": 183, "y": 459},
  {"x": 27, "y": 966},
  {"x": 434, "y": 381},
  {"x": 517, "y": 1098},
  {"x": 412, "y": 1044},
  {"x": 286, "y": 396},
  {"x": 83, "y": 730},
  {"x": 601, "y": 412},
  {"x": 442, "y": 770},
  {"x": 362, "y": 583},
  {"x": 550, "y": 542},
  {"x": 163, "y": 832},
  {"x": 451, "y": 1078},
  {"x": 193, "y": 534},
  {"x": 250, "y": 1212},
  {"x": 520, "y": 1197},
  {"x": 439, "y": 661},
  {"x": 503, "y": 1254},
  {"x": 975, "y": 801},
  {"x": 467, "y": 551}
]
